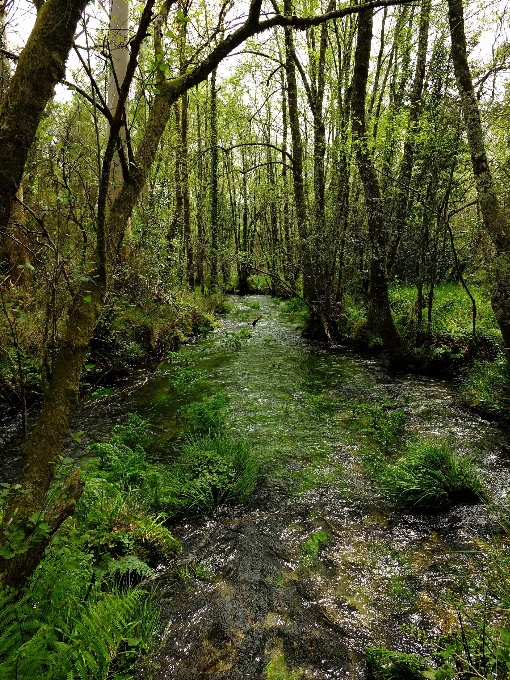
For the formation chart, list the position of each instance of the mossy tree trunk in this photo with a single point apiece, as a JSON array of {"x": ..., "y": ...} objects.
[
  {"x": 213, "y": 126},
  {"x": 379, "y": 313},
  {"x": 494, "y": 219},
  {"x": 297, "y": 159},
  {"x": 41, "y": 66}
]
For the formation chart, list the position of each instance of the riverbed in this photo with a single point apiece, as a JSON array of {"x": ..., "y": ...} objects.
[{"x": 316, "y": 566}]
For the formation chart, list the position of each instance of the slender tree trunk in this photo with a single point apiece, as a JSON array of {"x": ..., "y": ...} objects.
[
  {"x": 5, "y": 67},
  {"x": 200, "y": 201},
  {"x": 379, "y": 313},
  {"x": 494, "y": 220},
  {"x": 214, "y": 182},
  {"x": 407, "y": 162},
  {"x": 297, "y": 155},
  {"x": 186, "y": 218}
]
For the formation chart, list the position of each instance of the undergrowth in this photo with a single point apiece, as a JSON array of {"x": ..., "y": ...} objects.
[
  {"x": 486, "y": 386},
  {"x": 85, "y": 613}
]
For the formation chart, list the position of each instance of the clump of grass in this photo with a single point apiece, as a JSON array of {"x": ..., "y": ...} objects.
[
  {"x": 294, "y": 306},
  {"x": 431, "y": 476},
  {"x": 253, "y": 304},
  {"x": 234, "y": 340},
  {"x": 384, "y": 424},
  {"x": 212, "y": 467},
  {"x": 212, "y": 470},
  {"x": 486, "y": 385},
  {"x": 384, "y": 664},
  {"x": 206, "y": 417}
]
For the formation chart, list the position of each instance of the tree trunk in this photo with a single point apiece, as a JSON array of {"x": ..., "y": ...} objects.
[
  {"x": 41, "y": 66},
  {"x": 407, "y": 162},
  {"x": 379, "y": 313},
  {"x": 494, "y": 220},
  {"x": 214, "y": 183},
  {"x": 297, "y": 155}
]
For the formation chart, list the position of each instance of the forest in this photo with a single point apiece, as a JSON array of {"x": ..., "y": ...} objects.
[{"x": 255, "y": 339}]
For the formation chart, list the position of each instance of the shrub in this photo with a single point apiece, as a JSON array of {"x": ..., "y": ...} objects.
[
  {"x": 384, "y": 664},
  {"x": 431, "y": 476}
]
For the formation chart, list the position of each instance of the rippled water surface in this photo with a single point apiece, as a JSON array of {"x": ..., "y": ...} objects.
[{"x": 381, "y": 576}]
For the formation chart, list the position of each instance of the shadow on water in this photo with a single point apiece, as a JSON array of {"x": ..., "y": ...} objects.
[{"x": 298, "y": 581}]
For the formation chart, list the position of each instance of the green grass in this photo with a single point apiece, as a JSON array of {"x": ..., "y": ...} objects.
[
  {"x": 486, "y": 385},
  {"x": 451, "y": 338},
  {"x": 451, "y": 314},
  {"x": 431, "y": 476},
  {"x": 384, "y": 664},
  {"x": 294, "y": 306}
]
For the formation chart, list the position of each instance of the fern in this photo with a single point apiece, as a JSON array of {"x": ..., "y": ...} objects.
[{"x": 83, "y": 646}]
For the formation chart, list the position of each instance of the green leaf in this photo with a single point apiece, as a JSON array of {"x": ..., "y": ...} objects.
[{"x": 87, "y": 298}]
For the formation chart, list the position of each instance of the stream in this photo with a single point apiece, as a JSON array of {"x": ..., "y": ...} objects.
[{"x": 243, "y": 599}]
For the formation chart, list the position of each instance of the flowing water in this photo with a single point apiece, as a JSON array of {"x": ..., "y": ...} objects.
[{"x": 299, "y": 580}]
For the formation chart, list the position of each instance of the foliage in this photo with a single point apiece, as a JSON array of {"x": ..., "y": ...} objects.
[
  {"x": 234, "y": 340},
  {"x": 71, "y": 628},
  {"x": 431, "y": 476},
  {"x": 277, "y": 668},
  {"x": 486, "y": 385},
  {"x": 82, "y": 614},
  {"x": 480, "y": 644},
  {"x": 311, "y": 548},
  {"x": 206, "y": 417},
  {"x": 294, "y": 306},
  {"x": 383, "y": 424},
  {"x": 212, "y": 467},
  {"x": 211, "y": 470},
  {"x": 384, "y": 664}
]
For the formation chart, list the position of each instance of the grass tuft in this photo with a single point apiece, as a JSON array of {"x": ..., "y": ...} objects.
[{"x": 431, "y": 476}]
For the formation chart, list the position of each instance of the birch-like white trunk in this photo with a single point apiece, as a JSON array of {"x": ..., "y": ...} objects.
[
  {"x": 5, "y": 71},
  {"x": 119, "y": 51}
]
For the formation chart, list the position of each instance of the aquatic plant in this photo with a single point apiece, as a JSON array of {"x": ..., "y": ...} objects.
[
  {"x": 294, "y": 306},
  {"x": 311, "y": 548},
  {"x": 234, "y": 340},
  {"x": 212, "y": 470},
  {"x": 206, "y": 417},
  {"x": 277, "y": 668},
  {"x": 384, "y": 664},
  {"x": 432, "y": 476},
  {"x": 384, "y": 424},
  {"x": 486, "y": 385}
]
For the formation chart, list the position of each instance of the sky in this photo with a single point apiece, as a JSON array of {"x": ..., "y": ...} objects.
[{"x": 485, "y": 13}]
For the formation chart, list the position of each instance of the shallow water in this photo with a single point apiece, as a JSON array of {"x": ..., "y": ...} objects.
[{"x": 381, "y": 576}]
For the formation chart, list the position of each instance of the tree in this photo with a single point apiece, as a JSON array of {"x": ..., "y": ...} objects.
[
  {"x": 379, "y": 314},
  {"x": 494, "y": 219}
]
